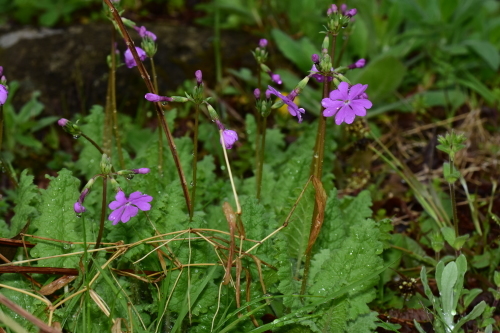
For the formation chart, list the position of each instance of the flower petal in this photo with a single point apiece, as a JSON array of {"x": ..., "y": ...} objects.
[
  {"x": 129, "y": 211},
  {"x": 116, "y": 215},
  {"x": 4, "y": 93},
  {"x": 349, "y": 116},
  {"x": 363, "y": 103},
  {"x": 357, "y": 90},
  {"x": 341, "y": 115},
  {"x": 330, "y": 112},
  {"x": 343, "y": 88},
  {"x": 121, "y": 199},
  {"x": 328, "y": 103}
]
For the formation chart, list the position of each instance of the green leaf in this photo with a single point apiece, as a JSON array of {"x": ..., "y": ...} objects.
[
  {"x": 470, "y": 81},
  {"x": 448, "y": 234},
  {"x": 485, "y": 50},
  {"x": 25, "y": 203},
  {"x": 447, "y": 282},
  {"x": 297, "y": 51},
  {"x": 460, "y": 241},
  {"x": 383, "y": 76},
  {"x": 58, "y": 221},
  {"x": 476, "y": 312},
  {"x": 496, "y": 278}
]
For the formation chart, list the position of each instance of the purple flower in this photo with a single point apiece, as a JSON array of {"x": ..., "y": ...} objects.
[
  {"x": 141, "y": 170},
  {"x": 346, "y": 103},
  {"x": 199, "y": 76},
  {"x": 358, "y": 64},
  {"x": 124, "y": 209},
  {"x": 3, "y": 94},
  {"x": 275, "y": 78},
  {"x": 144, "y": 33},
  {"x": 256, "y": 93},
  {"x": 129, "y": 58},
  {"x": 292, "y": 107},
  {"x": 78, "y": 207},
  {"x": 351, "y": 12},
  {"x": 157, "y": 98},
  {"x": 230, "y": 137},
  {"x": 62, "y": 122},
  {"x": 263, "y": 43},
  {"x": 1, "y": 70}
]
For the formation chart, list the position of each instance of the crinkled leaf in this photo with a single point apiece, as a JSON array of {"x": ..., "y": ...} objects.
[
  {"x": 58, "y": 221},
  {"x": 25, "y": 202}
]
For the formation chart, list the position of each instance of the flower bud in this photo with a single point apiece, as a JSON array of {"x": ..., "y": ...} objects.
[
  {"x": 105, "y": 164},
  {"x": 315, "y": 58},
  {"x": 263, "y": 43},
  {"x": 199, "y": 77},
  {"x": 157, "y": 98},
  {"x": 256, "y": 93},
  {"x": 69, "y": 127}
]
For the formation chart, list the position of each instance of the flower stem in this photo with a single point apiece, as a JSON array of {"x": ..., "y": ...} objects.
[
  {"x": 260, "y": 157},
  {"x": 258, "y": 117},
  {"x": 316, "y": 173},
  {"x": 147, "y": 80},
  {"x": 101, "y": 225},
  {"x": 453, "y": 201},
  {"x": 195, "y": 160},
  {"x": 93, "y": 143},
  {"x": 116, "y": 131},
  {"x": 160, "y": 139},
  {"x": 238, "y": 207}
]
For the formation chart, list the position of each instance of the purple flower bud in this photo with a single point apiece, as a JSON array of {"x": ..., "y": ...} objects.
[
  {"x": 78, "y": 207},
  {"x": 256, "y": 93},
  {"x": 263, "y": 43},
  {"x": 329, "y": 11},
  {"x": 62, "y": 122},
  {"x": 358, "y": 64},
  {"x": 144, "y": 33},
  {"x": 334, "y": 8},
  {"x": 275, "y": 78},
  {"x": 343, "y": 8},
  {"x": 4, "y": 93},
  {"x": 268, "y": 93},
  {"x": 157, "y": 98},
  {"x": 142, "y": 171},
  {"x": 351, "y": 12},
  {"x": 199, "y": 76},
  {"x": 129, "y": 58},
  {"x": 230, "y": 137},
  {"x": 1, "y": 70},
  {"x": 315, "y": 58}
]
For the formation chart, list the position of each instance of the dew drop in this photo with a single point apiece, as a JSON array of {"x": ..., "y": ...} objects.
[
  {"x": 76, "y": 136},
  {"x": 130, "y": 177}
]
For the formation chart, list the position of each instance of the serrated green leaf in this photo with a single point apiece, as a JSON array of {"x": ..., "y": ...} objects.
[
  {"x": 58, "y": 221},
  {"x": 25, "y": 203}
]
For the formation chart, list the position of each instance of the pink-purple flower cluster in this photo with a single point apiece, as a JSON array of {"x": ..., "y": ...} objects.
[
  {"x": 288, "y": 100},
  {"x": 124, "y": 208},
  {"x": 345, "y": 103}
]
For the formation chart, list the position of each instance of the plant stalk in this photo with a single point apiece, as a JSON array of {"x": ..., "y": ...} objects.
[
  {"x": 195, "y": 160},
  {"x": 147, "y": 80},
  {"x": 260, "y": 157}
]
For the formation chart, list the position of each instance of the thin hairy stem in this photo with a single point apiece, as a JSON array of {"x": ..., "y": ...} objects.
[
  {"x": 149, "y": 84},
  {"x": 160, "y": 140},
  {"x": 195, "y": 160},
  {"x": 116, "y": 130},
  {"x": 238, "y": 207},
  {"x": 260, "y": 157}
]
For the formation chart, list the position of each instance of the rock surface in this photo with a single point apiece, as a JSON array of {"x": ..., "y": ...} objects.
[{"x": 69, "y": 65}]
